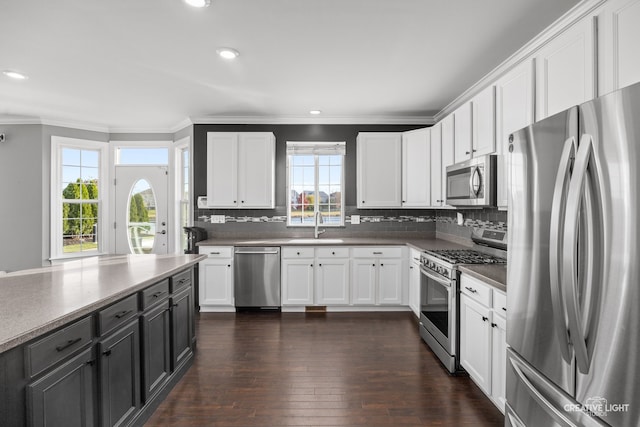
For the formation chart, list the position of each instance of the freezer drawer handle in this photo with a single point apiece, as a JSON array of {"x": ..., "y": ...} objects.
[
  {"x": 68, "y": 344},
  {"x": 473, "y": 291}
]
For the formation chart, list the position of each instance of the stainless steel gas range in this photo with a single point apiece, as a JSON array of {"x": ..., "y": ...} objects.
[{"x": 439, "y": 292}]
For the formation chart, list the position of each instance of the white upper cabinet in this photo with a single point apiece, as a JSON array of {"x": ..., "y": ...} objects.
[
  {"x": 437, "y": 190},
  {"x": 565, "y": 70},
  {"x": 379, "y": 170},
  {"x": 463, "y": 133},
  {"x": 484, "y": 122},
  {"x": 416, "y": 168},
  {"x": 514, "y": 110},
  {"x": 619, "y": 32},
  {"x": 240, "y": 170}
]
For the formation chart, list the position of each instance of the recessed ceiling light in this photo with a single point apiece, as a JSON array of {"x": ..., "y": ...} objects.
[
  {"x": 315, "y": 112},
  {"x": 14, "y": 75},
  {"x": 227, "y": 53},
  {"x": 198, "y": 3}
]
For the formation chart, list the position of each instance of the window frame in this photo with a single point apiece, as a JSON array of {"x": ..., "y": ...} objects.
[
  {"x": 181, "y": 146},
  {"x": 320, "y": 146},
  {"x": 58, "y": 143}
]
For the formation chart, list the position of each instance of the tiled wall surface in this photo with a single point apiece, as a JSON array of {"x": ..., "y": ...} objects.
[{"x": 401, "y": 222}]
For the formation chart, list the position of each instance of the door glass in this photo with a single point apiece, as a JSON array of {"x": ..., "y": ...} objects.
[{"x": 141, "y": 222}]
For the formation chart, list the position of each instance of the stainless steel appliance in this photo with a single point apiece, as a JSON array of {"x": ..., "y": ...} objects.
[
  {"x": 257, "y": 277},
  {"x": 472, "y": 183},
  {"x": 439, "y": 302},
  {"x": 574, "y": 278}
]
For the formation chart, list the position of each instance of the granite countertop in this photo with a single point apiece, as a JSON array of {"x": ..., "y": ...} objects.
[
  {"x": 492, "y": 274},
  {"x": 36, "y": 301},
  {"x": 420, "y": 244}
]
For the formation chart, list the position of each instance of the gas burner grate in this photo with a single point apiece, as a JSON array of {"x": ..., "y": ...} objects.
[{"x": 465, "y": 256}]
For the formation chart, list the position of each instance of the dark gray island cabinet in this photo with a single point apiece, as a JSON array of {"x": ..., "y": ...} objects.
[{"x": 111, "y": 367}]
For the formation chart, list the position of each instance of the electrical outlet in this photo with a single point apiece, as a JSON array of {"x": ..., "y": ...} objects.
[
  {"x": 217, "y": 219},
  {"x": 460, "y": 219},
  {"x": 355, "y": 219}
]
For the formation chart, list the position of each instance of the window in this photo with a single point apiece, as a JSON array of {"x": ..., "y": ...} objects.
[
  {"x": 183, "y": 193},
  {"x": 77, "y": 191},
  {"x": 315, "y": 183},
  {"x": 142, "y": 156}
]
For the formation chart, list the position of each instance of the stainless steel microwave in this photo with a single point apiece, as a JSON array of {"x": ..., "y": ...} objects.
[{"x": 472, "y": 183}]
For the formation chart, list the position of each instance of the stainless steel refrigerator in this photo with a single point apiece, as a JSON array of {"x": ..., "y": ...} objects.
[{"x": 573, "y": 320}]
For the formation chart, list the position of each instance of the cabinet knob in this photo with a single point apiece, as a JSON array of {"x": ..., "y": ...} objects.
[
  {"x": 411, "y": 267},
  {"x": 310, "y": 265},
  {"x": 235, "y": 201},
  {"x": 381, "y": 265},
  {"x": 474, "y": 150},
  {"x": 319, "y": 265},
  {"x": 404, "y": 201},
  {"x": 228, "y": 265},
  {"x": 504, "y": 308},
  {"x": 484, "y": 319},
  {"x": 297, "y": 253},
  {"x": 241, "y": 201},
  {"x": 467, "y": 152},
  {"x": 107, "y": 353},
  {"x": 373, "y": 265},
  {"x": 333, "y": 253},
  {"x": 493, "y": 325},
  {"x": 363, "y": 201}
]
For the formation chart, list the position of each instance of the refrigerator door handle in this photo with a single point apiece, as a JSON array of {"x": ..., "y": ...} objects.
[
  {"x": 558, "y": 209},
  {"x": 577, "y": 192}
]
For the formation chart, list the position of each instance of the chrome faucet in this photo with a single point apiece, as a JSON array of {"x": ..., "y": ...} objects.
[{"x": 318, "y": 221}]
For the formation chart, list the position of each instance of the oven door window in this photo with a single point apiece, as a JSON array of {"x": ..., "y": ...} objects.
[
  {"x": 435, "y": 304},
  {"x": 458, "y": 184}
]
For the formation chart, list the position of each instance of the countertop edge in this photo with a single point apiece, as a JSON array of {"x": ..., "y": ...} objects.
[{"x": 54, "y": 324}]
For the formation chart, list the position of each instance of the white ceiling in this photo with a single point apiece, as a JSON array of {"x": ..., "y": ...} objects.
[{"x": 149, "y": 65}]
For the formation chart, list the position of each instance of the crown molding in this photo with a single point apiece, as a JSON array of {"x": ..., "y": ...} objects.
[
  {"x": 290, "y": 120},
  {"x": 572, "y": 16}
]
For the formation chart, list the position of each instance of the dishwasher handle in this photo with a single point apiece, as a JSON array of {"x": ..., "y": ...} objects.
[{"x": 257, "y": 253}]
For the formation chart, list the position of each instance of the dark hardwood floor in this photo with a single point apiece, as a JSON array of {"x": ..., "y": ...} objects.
[{"x": 319, "y": 369}]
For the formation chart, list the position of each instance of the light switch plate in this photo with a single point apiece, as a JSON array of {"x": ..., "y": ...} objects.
[
  {"x": 355, "y": 219},
  {"x": 217, "y": 219}
]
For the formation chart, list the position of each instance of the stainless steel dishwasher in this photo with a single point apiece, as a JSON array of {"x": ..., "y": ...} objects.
[{"x": 257, "y": 277}]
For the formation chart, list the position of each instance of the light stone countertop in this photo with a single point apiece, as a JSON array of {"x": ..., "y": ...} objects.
[
  {"x": 34, "y": 302},
  {"x": 492, "y": 274},
  {"x": 420, "y": 244}
]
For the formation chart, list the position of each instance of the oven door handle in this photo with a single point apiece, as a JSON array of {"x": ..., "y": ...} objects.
[{"x": 440, "y": 280}]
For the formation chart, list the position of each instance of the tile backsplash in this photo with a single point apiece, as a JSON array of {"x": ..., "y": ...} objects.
[{"x": 409, "y": 222}]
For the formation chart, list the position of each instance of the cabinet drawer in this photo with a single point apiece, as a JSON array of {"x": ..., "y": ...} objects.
[
  {"x": 414, "y": 256},
  {"x": 48, "y": 351},
  {"x": 155, "y": 293},
  {"x": 117, "y": 314},
  {"x": 181, "y": 280},
  {"x": 476, "y": 289},
  {"x": 298, "y": 252},
  {"x": 376, "y": 252},
  {"x": 500, "y": 303},
  {"x": 216, "y": 251},
  {"x": 332, "y": 252}
]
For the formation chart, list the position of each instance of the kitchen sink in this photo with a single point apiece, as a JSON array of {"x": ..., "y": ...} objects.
[{"x": 315, "y": 241}]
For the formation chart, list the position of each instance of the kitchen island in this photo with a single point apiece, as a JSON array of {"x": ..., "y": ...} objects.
[{"x": 100, "y": 340}]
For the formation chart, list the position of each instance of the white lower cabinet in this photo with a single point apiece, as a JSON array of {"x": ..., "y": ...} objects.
[
  {"x": 483, "y": 337},
  {"x": 377, "y": 276},
  {"x": 315, "y": 276},
  {"x": 414, "y": 282},
  {"x": 216, "y": 279}
]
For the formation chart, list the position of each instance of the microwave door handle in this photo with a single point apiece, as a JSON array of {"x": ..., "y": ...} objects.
[
  {"x": 570, "y": 253},
  {"x": 558, "y": 208},
  {"x": 473, "y": 188}
]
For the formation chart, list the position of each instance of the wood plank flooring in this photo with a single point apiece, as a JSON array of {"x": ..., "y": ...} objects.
[{"x": 319, "y": 369}]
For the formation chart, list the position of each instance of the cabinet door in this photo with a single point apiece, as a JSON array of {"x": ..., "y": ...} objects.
[
  {"x": 363, "y": 281},
  {"x": 222, "y": 170},
  {"x": 514, "y": 110},
  {"x": 448, "y": 146},
  {"x": 484, "y": 122},
  {"x": 181, "y": 328},
  {"x": 414, "y": 288},
  {"x": 389, "y": 281},
  {"x": 416, "y": 165},
  {"x": 156, "y": 349},
  {"x": 437, "y": 196},
  {"x": 297, "y": 281},
  {"x": 65, "y": 396},
  {"x": 256, "y": 160},
  {"x": 216, "y": 283},
  {"x": 499, "y": 361},
  {"x": 565, "y": 70},
  {"x": 120, "y": 375},
  {"x": 619, "y": 62},
  {"x": 475, "y": 342},
  {"x": 332, "y": 284},
  {"x": 462, "y": 133},
  {"x": 379, "y": 177}
]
